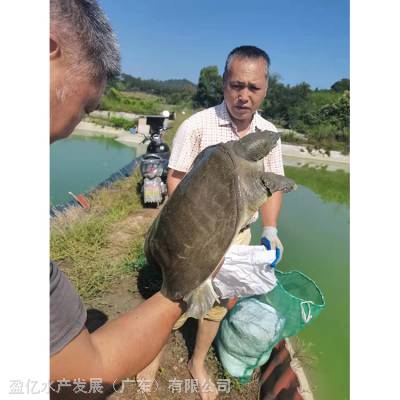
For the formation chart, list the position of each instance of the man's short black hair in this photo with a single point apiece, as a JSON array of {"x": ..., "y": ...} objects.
[{"x": 251, "y": 52}]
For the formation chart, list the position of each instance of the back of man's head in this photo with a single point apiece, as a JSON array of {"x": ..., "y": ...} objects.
[
  {"x": 249, "y": 52},
  {"x": 85, "y": 36}
]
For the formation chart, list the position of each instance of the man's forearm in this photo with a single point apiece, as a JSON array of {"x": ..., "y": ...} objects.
[
  {"x": 130, "y": 342},
  {"x": 270, "y": 210},
  {"x": 122, "y": 347}
]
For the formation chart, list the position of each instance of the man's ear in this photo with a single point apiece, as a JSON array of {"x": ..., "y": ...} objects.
[
  {"x": 266, "y": 89},
  {"x": 55, "y": 50}
]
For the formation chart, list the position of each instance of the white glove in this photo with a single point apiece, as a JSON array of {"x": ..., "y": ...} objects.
[{"x": 270, "y": 240}]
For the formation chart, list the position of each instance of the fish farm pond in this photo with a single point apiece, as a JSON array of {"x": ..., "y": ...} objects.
[{"x": 313, "y": 226}]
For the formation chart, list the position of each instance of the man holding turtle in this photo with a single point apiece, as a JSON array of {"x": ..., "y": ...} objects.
[
  {"x": 83, "y": 55},
  {"x": 245, "y": 83}
]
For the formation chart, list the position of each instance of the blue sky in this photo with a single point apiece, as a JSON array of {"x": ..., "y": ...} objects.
[{"x": 307, "y": 40}]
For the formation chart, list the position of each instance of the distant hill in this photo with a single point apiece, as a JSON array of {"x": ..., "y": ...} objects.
[{"x": 174, "y": 91}]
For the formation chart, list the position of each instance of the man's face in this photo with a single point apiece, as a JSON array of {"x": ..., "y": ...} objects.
[
  {"x": 70, "y": 99},
  {"x": 245, "y": 88}
]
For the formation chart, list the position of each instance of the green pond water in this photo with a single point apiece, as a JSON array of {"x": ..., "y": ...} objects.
[
  {"x": 314, "y": 229},
  {"x": 78, "y": 164},
  {"x": 313, "y": 226}
]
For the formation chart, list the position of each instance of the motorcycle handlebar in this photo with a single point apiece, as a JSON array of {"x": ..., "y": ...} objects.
[{"x": 158, "y": 132}]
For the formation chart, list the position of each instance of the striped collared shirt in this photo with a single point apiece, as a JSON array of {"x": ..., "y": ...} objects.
[{"x": 212, "y": 126}]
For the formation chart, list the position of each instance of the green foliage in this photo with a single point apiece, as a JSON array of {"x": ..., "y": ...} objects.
[
  {"x": 332, "y": 126},
  {"x": 115, "y": 122},
  {"x": 209, "y": 90},
  {"x": 322, "y": 115},
  {"x": 341, "y": 86},
  {"x": 114, "y": 100},
  {"x": 284, "y": 104},
  {"x": 319, "y": 98},
  {"x": 123, "y": 123},
  {"x": 337, "y": 112}
]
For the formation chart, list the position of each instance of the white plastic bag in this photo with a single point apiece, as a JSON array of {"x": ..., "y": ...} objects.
[{"x": 246, "y": 271}]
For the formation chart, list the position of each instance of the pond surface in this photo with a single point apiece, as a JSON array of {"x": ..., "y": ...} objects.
[
  {"x": 313, "y": 226},
  {"x": 78, "y": 164},
  {"x": 314, "y": 229}
]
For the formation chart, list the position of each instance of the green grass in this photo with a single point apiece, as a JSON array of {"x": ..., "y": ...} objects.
[
  {"x": 118, "y": 200},
  {"x": 143, "y": 96},
  {"x": 115, "y": 100},
  {"x": 330, "y": 186},
  {"x": 85, "y": 244},
  {"x": 114, "y": 122},
  {"x": 80, "y": 242}
]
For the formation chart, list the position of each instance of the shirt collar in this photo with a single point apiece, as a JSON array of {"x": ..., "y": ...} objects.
[{"x": 225, "y": 119}]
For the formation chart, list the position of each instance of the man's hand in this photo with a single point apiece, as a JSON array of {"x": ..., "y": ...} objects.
[{"x": 270, "y": 240}]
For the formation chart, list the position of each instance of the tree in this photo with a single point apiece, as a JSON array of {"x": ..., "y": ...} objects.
[
  {"x": 341, "y": 86},
  {"x": 209, "y": 90},
  {"x": 338, "y": 115},
  {"x": 286, "y": 104},
  {"x": 332, "y": 124}
]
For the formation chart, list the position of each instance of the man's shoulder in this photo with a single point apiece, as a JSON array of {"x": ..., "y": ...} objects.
[
  {"x": 265, "y": 125},
  {"x": 203, "y": 114},
  {"x": 199, "y": 118}
]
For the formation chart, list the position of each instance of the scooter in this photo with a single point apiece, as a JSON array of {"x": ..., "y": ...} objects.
[{"x": 154, "y": 168}]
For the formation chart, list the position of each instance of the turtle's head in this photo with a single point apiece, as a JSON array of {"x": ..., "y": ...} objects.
[
  {"x": 277, "y": 183},
  {"x": 256, "y": 145}
]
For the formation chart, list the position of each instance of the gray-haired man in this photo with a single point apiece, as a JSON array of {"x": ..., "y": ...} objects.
[
  {"x": 245, "y": 87},
  {"x": 83, "y": 55}
]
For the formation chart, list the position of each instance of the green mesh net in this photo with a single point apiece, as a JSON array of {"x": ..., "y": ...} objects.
[
  {"x": 297, "y": 298},
  {"x": 256, "y": 324}
]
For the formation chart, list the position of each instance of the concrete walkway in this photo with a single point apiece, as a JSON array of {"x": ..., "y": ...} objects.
[
  {"x": 291, "y": 150},
  {"x": 297, "y": 156}
]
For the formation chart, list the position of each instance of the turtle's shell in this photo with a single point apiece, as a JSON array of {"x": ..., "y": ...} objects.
[{"x": 196, "y": 226}]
